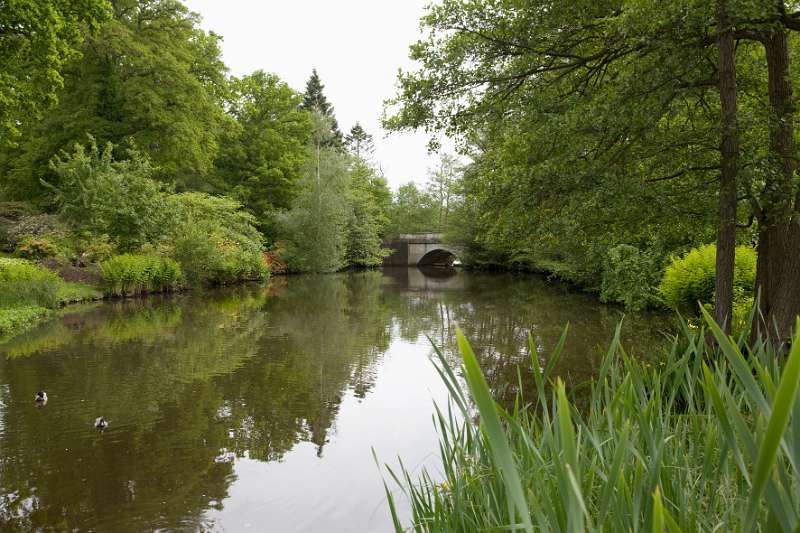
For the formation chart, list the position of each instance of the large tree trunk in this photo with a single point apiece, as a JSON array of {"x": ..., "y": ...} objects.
[
  {"x": 778, "y": 279},
  {"x": 778, "y": 270},
  {"x": 729, "y": 155}
]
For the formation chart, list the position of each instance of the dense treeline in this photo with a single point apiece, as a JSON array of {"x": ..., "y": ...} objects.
[
  {"x": 135, "y": 128},
  {"x": 607, "y": 136}
]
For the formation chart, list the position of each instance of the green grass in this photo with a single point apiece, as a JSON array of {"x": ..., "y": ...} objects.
[
  {"x": 705, "y": 439},
  {"x": 29, "y": 293}
]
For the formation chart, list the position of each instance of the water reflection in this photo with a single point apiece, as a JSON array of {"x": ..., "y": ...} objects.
[{"x": 257, "y": 407}]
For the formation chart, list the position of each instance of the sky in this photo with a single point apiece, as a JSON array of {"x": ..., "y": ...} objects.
[{"x": 356, "y": 46}]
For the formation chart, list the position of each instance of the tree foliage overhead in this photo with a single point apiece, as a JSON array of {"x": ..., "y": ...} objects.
[
  {"x": 149, "y": 77},
  {"x": 37, "y": 38}
]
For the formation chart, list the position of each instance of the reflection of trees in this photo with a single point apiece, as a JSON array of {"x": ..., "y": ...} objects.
[
  {"x": 147, "y": 366},
  {"x": 191, "y": 381},
  {"x": 326, "y": 334},
  {"x": 498, "y": 311},
  {"x": 188, "y": 383}
]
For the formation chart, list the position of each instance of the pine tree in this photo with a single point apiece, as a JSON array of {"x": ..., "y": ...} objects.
[
  {"x": 314, "y": 100},
  {"x": 359, "y": 142}
]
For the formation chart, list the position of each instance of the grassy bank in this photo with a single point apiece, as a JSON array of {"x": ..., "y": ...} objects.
[
  {"x": 704, "y": 439},
  {"x": 29, "y": 293}
]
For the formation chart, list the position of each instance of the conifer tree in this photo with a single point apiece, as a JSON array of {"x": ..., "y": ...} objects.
[
  {"x": 314, "y": 100},
  {"x": 359, "y": 142}
]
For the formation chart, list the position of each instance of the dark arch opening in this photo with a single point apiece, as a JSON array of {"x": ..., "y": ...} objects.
[{"x": 438, "y": 258}]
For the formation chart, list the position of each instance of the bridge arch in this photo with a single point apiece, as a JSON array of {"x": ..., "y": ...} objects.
[
  {"x": 420, "y": 249},
  {"x": 438, "y": 257}
]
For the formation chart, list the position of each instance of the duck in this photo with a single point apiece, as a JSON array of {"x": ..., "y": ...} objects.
[
  {"x": 41, "y": 397},
  {"x": 101, "y": 423}
]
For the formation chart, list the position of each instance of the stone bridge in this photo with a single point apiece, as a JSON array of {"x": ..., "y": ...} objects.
[{"x": 419, "y": 249}]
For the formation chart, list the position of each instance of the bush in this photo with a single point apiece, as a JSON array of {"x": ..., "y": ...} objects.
[
  {"x": 690, "y": 279},
  {"x": 24, "y": 284},
  {"x": 38, "y": 237},
  {"x": 214, "y": 240},
  {"x": 97, "y": 193},
  {"x": 130, "y": 275},
  {"x": 30, "y": 247},
  {"x": 93, "y": 248},
  {"x": 629, "y": 277}
]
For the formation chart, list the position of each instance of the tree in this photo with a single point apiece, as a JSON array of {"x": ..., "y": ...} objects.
[
  {"x": 369, "y": 199},
  {"x": 595, "y": 112},
  {"x": 315, "y": 228},
  {"x": 359, "y": 143},
  {"x": 148, "y": 77},
  {"x": 442, "y": 182},
  {"x": 37, "y": 38},
  {"x": 729, "y": 160},
  {"x": 412, "y": 211},
  {"x": 314, "y": 99},
  {"x": 261, "y": 161}
]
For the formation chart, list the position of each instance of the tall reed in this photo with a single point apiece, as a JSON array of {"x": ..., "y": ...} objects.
[{"x": 706, "y": 439}]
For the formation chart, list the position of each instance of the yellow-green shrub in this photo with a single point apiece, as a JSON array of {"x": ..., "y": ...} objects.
[
  {"x": 691, "y": 278},
  {"x": 24, "y": 284}
]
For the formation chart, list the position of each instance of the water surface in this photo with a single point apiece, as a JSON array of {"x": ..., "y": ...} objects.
[{"x": 257, "y": 408}]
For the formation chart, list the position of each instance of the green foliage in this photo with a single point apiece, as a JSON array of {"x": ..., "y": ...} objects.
[
  {"x": 148, "y": 76},
  {"x": 651, "y": 446},
  {"x": 37, "y": 38},
  {"x": 315, "y": 229},
  {"x": 25, "y": 284},
  {"x": 99, "y": 194},
  {"x": 30, "y": 247},
  {"x": 92, "y": 248},
  {"x": 690, "y": 279},
  {"x": 412, "y": 211},
  {"x": 315, "y": 101},
  {"x": 131, "y": 275},
  {"x": 260, "y": 161},
  {"x": 369, "y": 199},
  {"x": 214, "y": 240},
  {"x": 629, "y": 277},
  {"x": 17, "y": 320}
]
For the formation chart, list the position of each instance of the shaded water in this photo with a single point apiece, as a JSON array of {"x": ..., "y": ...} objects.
[{"x": 256, "y": 409}]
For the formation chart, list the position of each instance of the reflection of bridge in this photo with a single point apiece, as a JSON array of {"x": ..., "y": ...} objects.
[{"x": 419, "y": 249}]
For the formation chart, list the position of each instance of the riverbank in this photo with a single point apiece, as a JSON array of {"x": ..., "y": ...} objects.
[{"x": 32, "y": 292}]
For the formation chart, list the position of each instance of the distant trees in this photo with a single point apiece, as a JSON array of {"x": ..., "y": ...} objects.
[
  {"x": 359, "y": 143},
  {"x": 415, "y": 210},
  {"x": 315, "y": 228},
  {"x": 174, "y": 137}
]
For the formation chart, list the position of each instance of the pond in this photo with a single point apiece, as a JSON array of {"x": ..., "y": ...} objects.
[{"x": 258, "y": 408}]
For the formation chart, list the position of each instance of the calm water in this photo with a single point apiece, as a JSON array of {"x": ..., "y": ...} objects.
[{"x": 256, "y": 409}]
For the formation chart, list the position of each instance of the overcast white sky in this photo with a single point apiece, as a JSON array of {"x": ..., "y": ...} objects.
[{"x": 355, "y": 45}]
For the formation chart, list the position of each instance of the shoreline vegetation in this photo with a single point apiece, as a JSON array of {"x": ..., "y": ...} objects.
[{"x": 703, "y": 438}]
